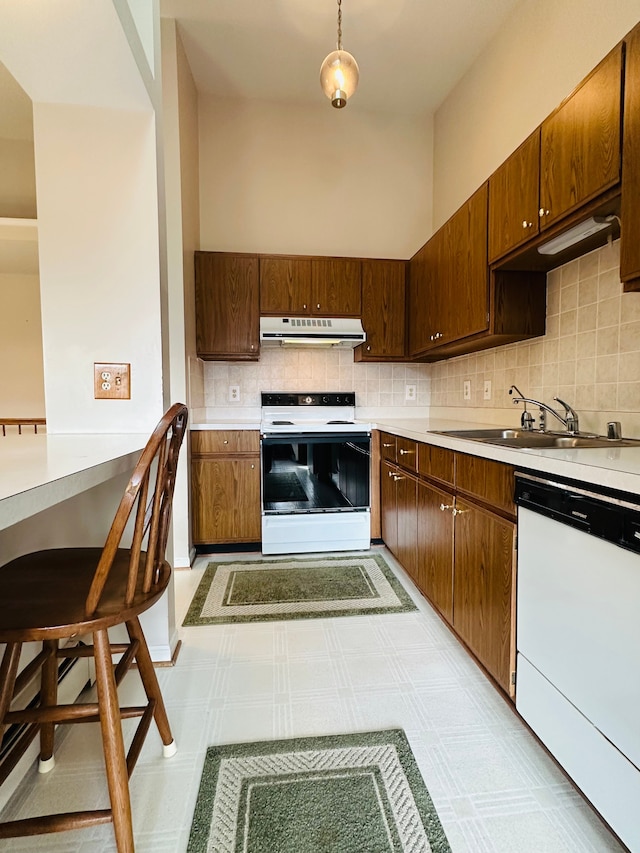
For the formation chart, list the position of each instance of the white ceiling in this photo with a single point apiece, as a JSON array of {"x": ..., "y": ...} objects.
[{"x": 411, "y": 53}]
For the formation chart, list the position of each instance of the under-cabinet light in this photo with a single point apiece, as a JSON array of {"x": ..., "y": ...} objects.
[{"x": 576, "y": 234}]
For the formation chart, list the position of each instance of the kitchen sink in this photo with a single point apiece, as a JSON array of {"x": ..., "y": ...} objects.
[{"x": 524, "y": 438}]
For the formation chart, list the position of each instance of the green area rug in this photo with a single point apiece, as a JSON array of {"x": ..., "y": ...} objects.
[
  {"x": 296, "y": 588},
  {"x": 355, "y": 793}
]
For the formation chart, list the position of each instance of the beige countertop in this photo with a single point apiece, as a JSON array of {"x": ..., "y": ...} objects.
[{"x": 38, "y": 471}]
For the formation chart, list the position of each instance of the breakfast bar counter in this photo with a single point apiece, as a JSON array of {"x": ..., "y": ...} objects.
[{"x": 40, "y": 471}]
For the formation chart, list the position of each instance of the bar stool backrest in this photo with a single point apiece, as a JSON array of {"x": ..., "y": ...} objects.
[{"x": 150, "y": 492}]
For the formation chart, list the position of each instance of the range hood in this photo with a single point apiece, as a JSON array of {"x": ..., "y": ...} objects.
[{"x": 311, "y": 331}]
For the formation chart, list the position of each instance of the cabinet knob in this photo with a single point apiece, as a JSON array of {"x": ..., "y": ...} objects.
[
  {"x": 386, "y": 445},
  {"x": 457, "y": 511},
  {"x": 226, "y": 441},
  {"x": 369, "y": 348},
  {"x": 543, "y": 212},
  {"x": 396, "y": 477},
  {"x": 252, "y": 466},
  {"x": 318, "y": 305},
  {"x": 445, "y": 507},
  {"x": 305, "y": 306},
  {"x": 405, "y": 452},
  {"x": 526, "y": 224}
]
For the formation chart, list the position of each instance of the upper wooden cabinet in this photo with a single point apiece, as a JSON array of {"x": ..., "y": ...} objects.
[
  {"x": 514, "y": 199},
  {"x": 285, "y": 286},
  {"x": 298, "y": 286},
  {"x": 630, "y": 216},
  {"x": 580, "y": 142},
  {"x": 336, "y": 287},
  {"x": 227, "y": 306},
  {"x": 383, "y": 311},
  {"x": 449, "y": 280}
]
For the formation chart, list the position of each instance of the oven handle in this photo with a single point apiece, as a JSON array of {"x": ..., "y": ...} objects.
[{"x": 317, "y": 437}]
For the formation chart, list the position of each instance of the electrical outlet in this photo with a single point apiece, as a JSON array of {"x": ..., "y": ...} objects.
[
  {"x": 409, "y": 392},
  {"x": 466, "y": 389},
  {"x": 234, "y": 393},
  {"x": 487, "y": 389},
  {"x": 111, "y": 381}
]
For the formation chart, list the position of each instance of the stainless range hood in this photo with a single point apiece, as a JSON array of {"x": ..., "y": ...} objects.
[{"x": 311, "y": 331}]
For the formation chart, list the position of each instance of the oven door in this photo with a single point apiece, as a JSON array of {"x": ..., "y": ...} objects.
[{"x": 315, "y": 492}]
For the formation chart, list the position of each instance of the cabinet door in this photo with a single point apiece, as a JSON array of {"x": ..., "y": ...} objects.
[
  {"x": 389, "y": 506},
  {"x": 425, "y": 270},
  {"x": 514, "y": 199},
  {"x": 285, "y": 286},
  {"x": 630, "y": 220},
  {"x": 383, "y": 310},
  {"x": 484, "y": 594},
  {"x": 336, "y": 287},
  {"x": 435, "y": 547},
  {"x": 580, "y": 148},
  {"x": 407, "y": 502},
  {"x": 464, "y": 289},
  {"x": 227, "y": 306},
  {"x": 225, "y": 498}
]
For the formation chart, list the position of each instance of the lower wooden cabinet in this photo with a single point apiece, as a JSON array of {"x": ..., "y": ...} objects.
[
  {"x": 225, "y": 487},
  {"x": 435, "y": 547},
  {"x": 452, "y": 527},
  {"x": 484, "y": 588}
]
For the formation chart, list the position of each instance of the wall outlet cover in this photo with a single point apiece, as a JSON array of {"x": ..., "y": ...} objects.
[
  {"x": 111, "y": 381},
  {"x": 410, "y": 392},
  {"x": 487, "y": 389},
  {"x": 234, "y": 393}
]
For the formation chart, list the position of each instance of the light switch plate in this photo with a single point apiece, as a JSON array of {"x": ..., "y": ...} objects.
[
  {"x": 466, "y": 389},
  {"x": 111, "y": 381}
]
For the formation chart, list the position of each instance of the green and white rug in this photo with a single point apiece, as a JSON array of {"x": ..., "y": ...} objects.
[
  {"x": 355, "y": 793},
  {"x": 296, "y": 588}
]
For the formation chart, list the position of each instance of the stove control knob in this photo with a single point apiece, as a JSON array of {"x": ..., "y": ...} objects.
[
  {"x": 307, "y": 400},
  {"x": 325, "y": 400},
  {"x": 338, "y": 401}
]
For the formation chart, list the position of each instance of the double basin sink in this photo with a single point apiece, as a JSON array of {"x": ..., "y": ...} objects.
[{"x": 528, "y": 438}]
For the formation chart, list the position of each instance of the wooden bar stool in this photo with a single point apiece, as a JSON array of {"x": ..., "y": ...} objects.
[{"x": 71, "y": 592}]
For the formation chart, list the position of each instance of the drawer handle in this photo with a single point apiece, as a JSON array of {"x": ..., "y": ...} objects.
[
  {"x": 405, "y": 452},
  {"x": 445, "y": 507}
]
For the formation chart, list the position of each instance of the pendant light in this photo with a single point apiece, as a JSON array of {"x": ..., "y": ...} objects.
[{"x": 339, "y": 73}]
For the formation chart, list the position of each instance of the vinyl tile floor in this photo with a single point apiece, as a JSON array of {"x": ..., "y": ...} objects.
[{"x": 495, "y": 789}]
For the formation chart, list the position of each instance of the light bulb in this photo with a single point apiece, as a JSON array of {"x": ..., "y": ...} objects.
[{"x": 339, "y": 75}]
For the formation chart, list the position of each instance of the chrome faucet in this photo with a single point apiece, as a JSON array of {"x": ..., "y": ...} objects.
[
  {"x": 526, "y": 418},
  {"x": 570, "y": 422}
]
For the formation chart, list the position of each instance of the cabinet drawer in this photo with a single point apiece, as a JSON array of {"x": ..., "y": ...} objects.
[
  {"x": 407, "y": 453},
  {"x": 491, "y": 482},
  {"x": 225, "y": 441},
  {"x": 388, "y": 446},
  {"x": 438, "y": 463}
]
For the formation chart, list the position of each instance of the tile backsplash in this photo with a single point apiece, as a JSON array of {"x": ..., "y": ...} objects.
[
  {"x": 589, "y": 356},
  {"x": 376, "y": 385}
]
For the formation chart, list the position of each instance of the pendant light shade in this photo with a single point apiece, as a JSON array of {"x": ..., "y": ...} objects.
[{"x": 339, "y": 73}]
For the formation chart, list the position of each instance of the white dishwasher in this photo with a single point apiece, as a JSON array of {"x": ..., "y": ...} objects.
[{"x": 578, "y": 639}]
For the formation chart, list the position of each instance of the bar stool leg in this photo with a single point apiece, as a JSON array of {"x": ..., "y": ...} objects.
[
  {"x": 113, "y": 744},
  {"x": 151, "y": 687},
  {"x": 49, "y": 698}
]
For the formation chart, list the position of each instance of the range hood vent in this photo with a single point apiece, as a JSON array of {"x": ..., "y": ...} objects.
[{"x": 311, "y": 331}]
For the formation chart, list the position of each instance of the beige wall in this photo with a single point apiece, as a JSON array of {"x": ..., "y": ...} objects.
[
  {"x": 21, "y": 372},
  {"x": 17, "y": 179},
  {"x": 99, "y": 263},
  {"x": 312, "y": 180},
  {"x": 541, "y": 53}
]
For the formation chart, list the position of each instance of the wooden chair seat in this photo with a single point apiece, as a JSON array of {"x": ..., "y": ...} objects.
[
  {"x": 52, "y": 596},
  {"x": 49, "y": 590}
]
